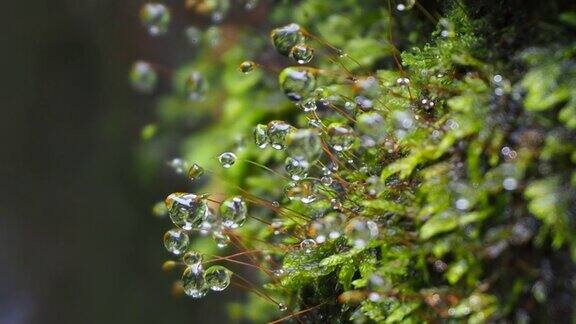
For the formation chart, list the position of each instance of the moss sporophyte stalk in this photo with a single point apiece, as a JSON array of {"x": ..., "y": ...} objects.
[{"x": 374, "y": 161}]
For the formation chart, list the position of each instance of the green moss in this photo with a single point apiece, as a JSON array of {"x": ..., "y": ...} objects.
[{"x": 472, "y": 185}]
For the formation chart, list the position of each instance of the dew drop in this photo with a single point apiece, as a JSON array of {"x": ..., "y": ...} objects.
[
  {"x": 227, "y": 159},
  {"x": 193, "y": 282},
  {"x": 233, "y": 212},
  {"x": 402, "y": 5},
  {"x": 308, "y": 105},
  {"x": 186, "y": 210},
  {"x": 277, "y": 132},
  {"x": 195, "y": 86},
  {"x": 297, "y": 82},
  {"x": 261, "y": 135},
  {"x": 212, "y": 36},
  {"x": 372, "y": 125},
  {"x": 155, "y": 17},
  {"x": 282, "y": 307},
  {"x": 247, "y": 67},
  {"x": 302, "y": 53},
  {"x": 304, "y": 144},
  {"x": 402, "y": 81},
  {"x": 222, "y": 240},
  {"x": 217, "y": 277},
  {"x": 286, "y": 37},
  {"x": 296, "y": 168},
  {"x": 192, "y": 258},
  {"x": 340, "y": 137},
  {"x": 308, "y": 245},
  {"x": 195, "y": 172},
  {"x": 360, "y": 231},
  {"x": 159, "y": 209},
  {"x": 176, "y": 241},
  {"x": 193, "y": 35},
  {"x": 143, "y": 77},
  {"x": 304, "y": 191}
]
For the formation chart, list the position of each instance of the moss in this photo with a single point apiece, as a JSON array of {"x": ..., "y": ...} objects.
[{"x": 472, "y": 187}]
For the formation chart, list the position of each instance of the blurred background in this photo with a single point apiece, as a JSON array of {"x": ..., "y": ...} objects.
[{"x": 78, "y": 243}]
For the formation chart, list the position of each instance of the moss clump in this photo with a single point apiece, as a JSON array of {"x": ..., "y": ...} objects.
[{"x": 453, "y": 201}]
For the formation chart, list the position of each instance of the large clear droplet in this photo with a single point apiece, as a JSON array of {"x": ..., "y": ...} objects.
[
  {"x": 217, "y": 277},
  {"x": 186, "y": 210},
  {"x": 195, "y": 86},
  {"x": 222, "y": 239},
  {"x": 297, "y": 169},
  {"x": 286, "y": 37},
  {"x": 176, "y": 241},
  {"x": 302, "y": 53},
  {"x": 304, "y": 144},
  {"x": 304, "y": 191},
  {"x": 340, "y": 137},
  {"x": 143, "y": 77},
  {"x": 327, "y": 228},
  {"x": 233, "y": 212},
  {"x": 360, "y": 231},
  {"x": 227, "y": 159},
  {"x": 372, "y": 125},
  {"x": 194, "y": 283},
  {"x": 192, "y": 258},
  {"x": 277, "y": 132},
  {"x": 261, "y": 135},
  {"x": 155, "y": 17},
  {"x": 297, "y": 82}
]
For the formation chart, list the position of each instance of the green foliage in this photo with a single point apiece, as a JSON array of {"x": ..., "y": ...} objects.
[{"x": 469, "y": 178}]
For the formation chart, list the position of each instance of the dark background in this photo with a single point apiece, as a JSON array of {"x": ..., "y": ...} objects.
[{"x": 77, "y": 241}]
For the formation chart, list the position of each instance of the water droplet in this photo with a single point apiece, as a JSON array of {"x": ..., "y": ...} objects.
[
  {"x": 297, "y": 82},
  {"x": 195, "y": 172},
  {"x": 211, "y": 221},
  {"x": 510, "y": 183},
  {"x": 308, "y": 105},
  {"x": 340, "y": 137},
  {"x": 194, "y": 283},
  {"x": 178, "y": 165},
  {"x": 233, "y": 212},
  {"x": 217, "y": 277},
  {"x": 250, "y": 4},
  {"x": 286, "y": 37},
  {"x": 261, "y": 135},
  {"x": 304, "y": 144},
  {"x": 192, "y": 258},
  {"x": 304, "y": 191},
  {"x": 222, "y": 240},
  {"x": 176, "y": 241},
  {"x": 426, "y": 104},
  {"x": 296, "y": 168},
  {"x": 277, "y": 132},
  {"x": 195, "y": 86},
  {"x": 402, "y": 5},
  {"x": 446, "y": 28},
  {"x": 308, "y": 245},
  {"x": 302, "y": 53},
  {"x": 227, "y": 159},
  {"x": 247, "y": 67},
  {"x": 372, "y": 125},
  {"x": 402, "y": 81},
  {"x": 212, "y": 36},
  {"x": 360, "y": 231},
  {"x": 143, "y": 77},
  {"x": 155, "y": 17},
  {"x": 193, "y": 35},
  {"x": 282, "y": 307},
  {"x": 186, "y": 210},
  {"x": 159, "y": 209},
  {"x": 364, "y": 103}
]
